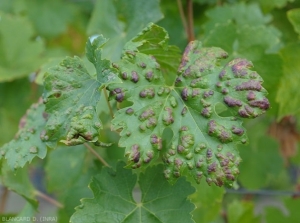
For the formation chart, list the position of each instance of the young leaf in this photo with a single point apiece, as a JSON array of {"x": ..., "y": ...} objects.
[
  {"x": 202, "y": 141},
  {"x": 27, "y": 143},
  {"x": 113, "y": 201},
  {"x": 69, "y": 85},
  {"x": 120, "y": 21}
]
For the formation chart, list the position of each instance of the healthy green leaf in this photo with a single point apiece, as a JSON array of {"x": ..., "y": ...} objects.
[
  {"x": 50, "y": 18},
  {"x": 262, "y": 165},
  {"x": 69, "y": 85},
  {"x": 120, "y": 21},
  {"x": 208, "y": 201},
  {"x": 289, "y": 214},
  {"x": 27, "y": 143},
  {"x": 113, "y": 201},
  {"x": 13, "y": 106},
  {"x": 268, "y": 5},
  {"x": 242, "y": 212},
  {"x": 19, "y": 182},
  {"x": 294, "y": 17},
  {"x": 288, "y": 94},
  {"x": 19, "y": 53},
  {"x": 202, "y": 141}
]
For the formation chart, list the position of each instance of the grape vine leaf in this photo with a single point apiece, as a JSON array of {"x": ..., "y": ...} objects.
[
  {"x": 289, "y": 214},
  {"x": 70, "y": 84},
  {"x": 260, "y": 48},
  {"x": 258, "y": 169},
  {"x": 19, "y": 53},
  {"x": 27, "y": 143},
  {"x": 208, "y": 202},
  {"x": 120, "y": 21},
  {"x": 289, "y": 99},
  {"x": 113, "y": 200},
  {"x": 19, "y": 182},
  {"x": 12, "y": 110},
  {"x": 202, "y": 141},
  {"x": 242, "y": 211},
  {"x": 153, "y": 40},
  {"x": 294, "y": 17}
]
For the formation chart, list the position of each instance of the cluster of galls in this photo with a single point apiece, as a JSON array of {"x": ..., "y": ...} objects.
[
  {"x": 238, "y": 81},
  {"x": 218, "y": 165}
]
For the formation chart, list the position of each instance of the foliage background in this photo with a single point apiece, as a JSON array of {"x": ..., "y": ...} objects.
[{"x": 35, "y": 35}]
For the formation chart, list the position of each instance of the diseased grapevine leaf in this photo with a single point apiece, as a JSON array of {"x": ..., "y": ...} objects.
[
  {"x": 120, "y": 21},
  {"x": 71, "y": 95},
  {"x": 113, "y": 201},
  {"x": 153, "y": 40},
  {"x": 202, "y": 141},
  {"x": 294, "y": 17},
  {"x": 288, "y": 94},
  {"x": 239, "y": 41},
  {"x": 19, "y": 182},
  {"x": 27, "y": 143},
  {"x": 19, "y": 54}
]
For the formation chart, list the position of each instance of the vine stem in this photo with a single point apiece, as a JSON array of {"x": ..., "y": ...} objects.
[
  {"x": 49, "y": 199},
  {"x": 190, "y": 24},
  {"x": 182, "y": 16},
  {"x": 96, "y": 154},
  {"x": 108, "y": 104},
  {"x": 3, "y": 199}
]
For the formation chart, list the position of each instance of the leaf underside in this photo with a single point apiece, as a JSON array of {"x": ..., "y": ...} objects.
[{"x": 203, "y": 142}]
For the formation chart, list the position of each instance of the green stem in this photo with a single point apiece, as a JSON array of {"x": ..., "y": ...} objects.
[{"x": 96, "y": 154}]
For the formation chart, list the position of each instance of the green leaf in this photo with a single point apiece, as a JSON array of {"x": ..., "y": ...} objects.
[
  {"x": 288, "y": 94},
  {"x": 50, "y": 18},
  {"x": 20, "y": 54},
  {"x": 290, "y": 213},
  {"x": 239, "y": 13},
  {"x": 13, "y": 106},
  {"x": 153, "y": 40},
  {"x": 260, "y": 48},
  {"x": 120, "y": 21},
  {"x": 262, "y": 165},
  {"x": 27, "y": 143},
  {"x": 202, "y": 141},
  {"x": 113, "y": 201},
  {"x": 268, "y": 5},
  {"x": 70, "y": 84},
  {"x": 242, "y": 211},
  {"x": 208, "y": 200},
  {"x": 19, "y": 182},
  {"x": 294, "y": 17},
  {"x": 78, "y": 169}
]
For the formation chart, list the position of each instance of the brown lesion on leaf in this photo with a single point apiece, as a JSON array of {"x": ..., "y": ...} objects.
[{"x": 286, "y": 133}]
